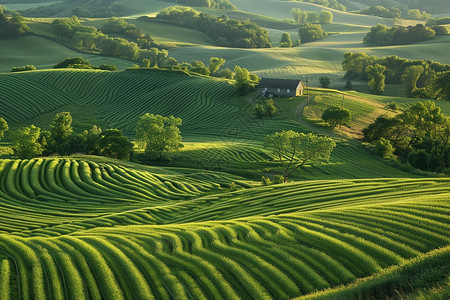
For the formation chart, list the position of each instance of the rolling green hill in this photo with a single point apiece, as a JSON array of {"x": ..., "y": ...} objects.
[{"x": 108, "y": 230}]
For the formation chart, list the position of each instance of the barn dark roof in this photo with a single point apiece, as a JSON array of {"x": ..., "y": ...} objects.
[{"x": 279, "y": 83}]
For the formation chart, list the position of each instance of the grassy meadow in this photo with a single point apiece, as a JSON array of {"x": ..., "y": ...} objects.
[{"x": 202, "y": 225}]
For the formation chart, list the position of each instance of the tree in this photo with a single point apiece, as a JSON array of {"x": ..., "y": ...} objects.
[
  {"x": 310, "y": 32},
  {"x": 26, "y": 143},
  {"x": 326, "y": 17},
  {"x": 293, "y": 149},
  {"x": 286, "y": 40},
  {"x": 336, "y": 116},
  {"x": 325, "y": 81},
  {"x": 410, "y": 77},
  {"x": 60, "y": 132},
  {"x": 160, "y": 136},
  {"x": 442, "y": 85},
  {"x": 416, "y": 14},
  {"x": 270, "y": 107},
  {"x": 215, "y": 63},
  {"x": 113, "y": 143},
  {"x": 243, "y": 79},
  {"x": 376, "y": 78},
  {"x": 3, "y": 127}
]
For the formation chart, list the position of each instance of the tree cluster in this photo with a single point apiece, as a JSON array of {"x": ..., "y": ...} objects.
[
  {"x": 328, "y": 3},
  {"x": 225, "y": 31},
  {"x": 265, "y": 109},
  {"x": 420, "y": 78},
  {"x": 81, "y": 8},
  {"x": 398, "y": 35},
  {"x": 311, "y": 32},
  {"x": 286, "y": 41},
  {"x": 438, "y": 21},
  {"x": 89, "y": 38},
  {"x": 81, "y": 63},
  {"x": 382, "y": 11},
  {"x": 416, "y": 14},
  {"x": 12, "y": 24},
  {"x": 303, "y": 16},
  {"x": 220, "y": 4},
  {"x": 23, "y": 68},
  {"x": 419, "y": 136}
]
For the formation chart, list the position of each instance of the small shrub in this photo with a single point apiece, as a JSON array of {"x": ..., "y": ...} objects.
[
  {"x": 277, "y": 179},
  {"x": 266, "y": 181},
  {"x": 391, "y": 106},
  {"x": 24, "y": 68}
]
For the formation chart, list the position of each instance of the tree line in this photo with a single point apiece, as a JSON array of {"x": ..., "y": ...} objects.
[
  {"x": 394, "y": 12},
  {"x": 159, "y": 136},
  {"x": 303, "y": 16},
  {"x": 420, "y": 78},
  {"x": 334, "y": 4},
  {"x": 221, "y": 4},
  {"x": 12, "y": 24},
  {"x": 399, "y": 35},
  {"x": 223, "y": 30},
  {"x": 419, "y": 136}
]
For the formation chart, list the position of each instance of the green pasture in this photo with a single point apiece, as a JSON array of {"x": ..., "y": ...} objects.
[{"x": 23, "y": 6}]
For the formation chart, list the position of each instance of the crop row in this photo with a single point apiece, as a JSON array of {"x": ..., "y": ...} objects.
[{"x": 257, "y": 257}]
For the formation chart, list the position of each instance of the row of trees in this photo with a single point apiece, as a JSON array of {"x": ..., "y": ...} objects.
[
  {"x": 225, "y": 31},
  {"x": 394, "y": 12},
  {"x": 328, "y": 3},
  {"x": 419, "y": 136},
  {"x": 12, "y": 24},
  {"x": 80, "y": 63},
  {"x": 420, "y": 78},
  {"x": 303, "y": 16},
  {"x": 221, "y": 4},
  {"x": 399, "y": 35},
  {"x": 89, "y": 38},
  {"x": 158, "y": 135}
]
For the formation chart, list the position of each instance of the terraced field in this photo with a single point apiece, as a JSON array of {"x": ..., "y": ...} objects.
[{"x": 84, "y": 229}]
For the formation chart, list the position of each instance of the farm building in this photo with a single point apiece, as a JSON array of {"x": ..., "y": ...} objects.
[{"x": 280, "y": 87}]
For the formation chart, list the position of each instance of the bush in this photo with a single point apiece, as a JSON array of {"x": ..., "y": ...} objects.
[
  {"x": 325, "y": 81},
  {"x": 112, "y": 68},
  {"x": 336, "y": 116},
  {"x": 24, "y": 68},
  {"x": 391, "y": 106}
]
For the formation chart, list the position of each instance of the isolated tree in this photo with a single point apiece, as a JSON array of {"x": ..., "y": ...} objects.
[
  {"x": 3, "y": 127},
  {"x": 376, "y": 78},
  {"x": 325, "y": 81},
  {"x": 215, "y": 63},
  {"x": 113, "y": 143},
  {"x": 26, "y": 143},
  {"x": 293, "y": 149},
  {"x": 286, "y": 41},
  {"x": 326, "y": 17},
  {"x": 160, "y": 136},
  {"x": 335, "y": 116},
  {"x": 311, "y": 32},
  {"x": 410, "y": 77}
]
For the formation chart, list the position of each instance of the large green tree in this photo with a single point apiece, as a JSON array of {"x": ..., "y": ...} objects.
[
  {"x": 293, "y": 149},
  {"x": 26, "y": 143},
  {"x": 286, "y": 40},
  {"x": 60, "y": 133},
  {"x": 326, "y": 17},
  {"x": 410, "y": 77},
  {"x": 376, "y": 78},
  {"x": 160, "y": 136},
  {"x": 113, "y": 143},
  {"x": 215, "y": 63}
]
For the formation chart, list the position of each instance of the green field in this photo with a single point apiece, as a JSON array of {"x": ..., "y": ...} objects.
[
  {"x": 102, "y": 229},
  {"x": 202, "y": 225}
]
